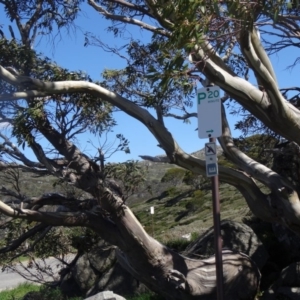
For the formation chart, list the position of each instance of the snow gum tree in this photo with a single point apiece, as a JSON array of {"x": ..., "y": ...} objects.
[{"x": 211, "y": 42}]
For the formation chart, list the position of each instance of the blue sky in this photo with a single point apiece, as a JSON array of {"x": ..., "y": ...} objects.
[{"x": 69, "y": 52}]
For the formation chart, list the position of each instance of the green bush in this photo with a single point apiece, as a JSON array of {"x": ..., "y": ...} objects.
[
  {"x": 48, "y": 293},
  {"x": 194, "y": 179},
  {"x": 19, "y": 292},
  {"x": 197, "y": 201},
  {"x": 198, "y": 194},
  {"x": 194, "y": 236},
  {"x": 36, "y": 292},
  {"x": 174, "y": 176},
  {"x": 172, "y": 191},
  {"x": 178, "y": 244}
]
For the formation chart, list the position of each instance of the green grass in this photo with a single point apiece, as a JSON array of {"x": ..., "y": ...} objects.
[
  {"x": 149, "y": 296},
  {"x": 187, "y": 212},
  {"x": 40, "y": 293},
  {"x": 45, "y": 293},
  {"x": 19, "y": 292}
]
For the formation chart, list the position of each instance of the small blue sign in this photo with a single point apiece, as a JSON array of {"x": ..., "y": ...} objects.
[{"x": 212, "y": 170}]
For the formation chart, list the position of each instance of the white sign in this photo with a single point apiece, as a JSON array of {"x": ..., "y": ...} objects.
[
  {"x": 210, "y": 149},
  {"x": 209, "y": 112},
  {"x": 211, "y": 159},
  {"x": 152, "y": 210}
]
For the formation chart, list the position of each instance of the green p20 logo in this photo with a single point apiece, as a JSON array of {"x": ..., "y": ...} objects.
[{"x": 208, "y": 95}]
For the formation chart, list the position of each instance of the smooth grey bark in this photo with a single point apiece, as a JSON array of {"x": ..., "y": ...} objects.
[{"x": 264, "y": 100}]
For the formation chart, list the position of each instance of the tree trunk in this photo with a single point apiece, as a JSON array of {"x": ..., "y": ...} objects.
[
  {"x": 173, "y": 275},
  {"x": 159, "y": 268}
]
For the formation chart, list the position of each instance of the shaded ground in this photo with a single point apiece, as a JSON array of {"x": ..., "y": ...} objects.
[{"x": 10, "y": 279}]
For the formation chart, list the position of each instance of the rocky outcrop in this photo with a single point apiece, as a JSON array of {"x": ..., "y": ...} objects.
[
  {"x": 97, "y": 271},
  {"x": 288, "y": 243},
  {"x": 287, "y": 286},
  {"x": 236, "y": 236}
]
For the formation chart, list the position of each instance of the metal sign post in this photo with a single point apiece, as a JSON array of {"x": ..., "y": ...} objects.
[
  {"x": 210, "y": 126},
  {"x": 212, "y": 171}
]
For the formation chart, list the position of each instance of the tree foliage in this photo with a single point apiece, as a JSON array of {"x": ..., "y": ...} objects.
[
  {"x": 193, "y": 179},
  {"x": 174, "y": 176}
]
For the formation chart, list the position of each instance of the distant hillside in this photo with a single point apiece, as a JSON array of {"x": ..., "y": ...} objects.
[
  {"x": 199, "y": 154},
  {"x": 178, "y": 208}
]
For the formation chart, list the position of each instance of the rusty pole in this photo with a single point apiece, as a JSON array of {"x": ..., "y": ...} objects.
[{"x": 217, "y": 232}]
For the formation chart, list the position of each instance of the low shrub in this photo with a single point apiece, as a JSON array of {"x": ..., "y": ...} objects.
[
  {"x": 34, "y": 292},
  {"x": 19, "y": 292},
  {"x": 172, "y": 191}
]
